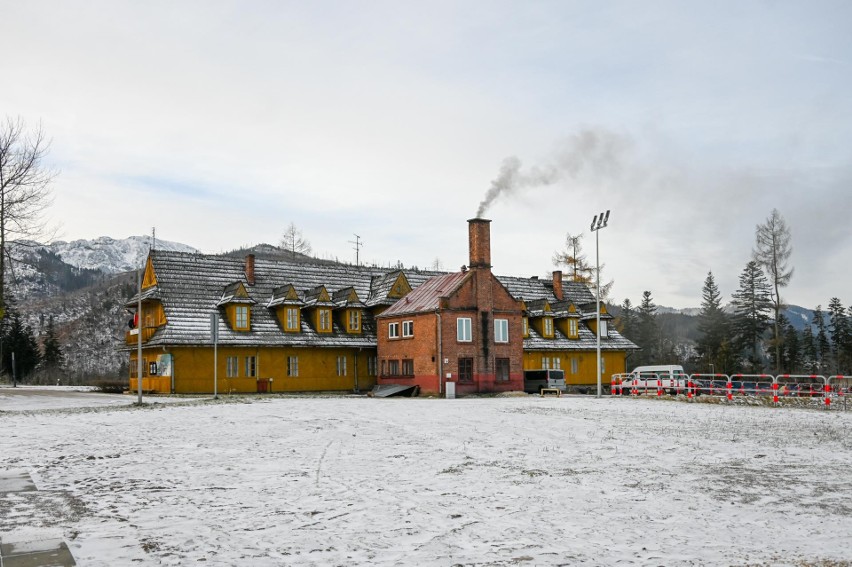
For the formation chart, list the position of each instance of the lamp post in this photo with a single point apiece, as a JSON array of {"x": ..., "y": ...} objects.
[{"x": 598, "y": 222}]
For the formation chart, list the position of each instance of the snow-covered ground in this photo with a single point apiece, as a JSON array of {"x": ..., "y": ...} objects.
[
  {"x": 485, "y": 481},
  {"x": 33, "y": 398}
]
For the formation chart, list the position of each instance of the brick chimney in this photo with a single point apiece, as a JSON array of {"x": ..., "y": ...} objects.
[
  {"x": 479, "y": 240},
  {"x": 557, "y": 284},
  {"x": 250, "y": 269}
]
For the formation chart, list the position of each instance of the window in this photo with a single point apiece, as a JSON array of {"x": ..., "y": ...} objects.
[
  {"x": 408, "y": 328},
  {"x": 354, "y": 320},
  {"x": 501, "y": 367},
  {"x": 251, "y": 366},
  {"x": 526, "y": 327},
  {"x": 292, "y": 366},
  {"x": 233, "y": 369},
  {"x": 463, "y": 329},
  {"x": 407, "y": 367},
  {"x": 324, "y": 320},
  {"x": 393, "y": 330},
  {"x": 292, "y": 318},
  {"x": 548, "y": 327},
  {"x": 466, "y": 368},
  {"x": 603, "y": 329},
  {"x": 501, "y": 330},
  {"x": 572, "y": 327},
  {"x": 241, "y": 317},
  {"x": 574, "y": 366},
  {"x": 545, "y": 362},
  {"x": 557, "y": 362},
  {"x": 341, "y": 366},
  {"x": 372, "y": 365},
  {"x": 603, "y": 366},
  {"x": 393, "y": 368}
]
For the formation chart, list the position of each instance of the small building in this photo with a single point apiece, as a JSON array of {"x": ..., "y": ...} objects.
[{"x": 462, "y": 327}]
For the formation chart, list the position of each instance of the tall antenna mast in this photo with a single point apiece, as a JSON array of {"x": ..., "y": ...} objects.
[
  {"x": 153, "y": 238},
  {"x": 358, "y": 244}
]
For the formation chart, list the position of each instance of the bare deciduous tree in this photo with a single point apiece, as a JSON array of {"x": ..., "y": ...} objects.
[
  {"x": 579, "y": 268},
  {"x": 293, "y": 241},
  {"x": 24, "y": 189},
  {"x": 772, "y": 250}
]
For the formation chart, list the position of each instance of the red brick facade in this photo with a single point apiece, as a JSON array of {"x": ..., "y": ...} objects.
[{"x": 438, "y": 351}]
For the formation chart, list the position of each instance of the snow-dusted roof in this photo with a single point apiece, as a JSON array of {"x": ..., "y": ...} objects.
[{"x": 428, "y": 295}]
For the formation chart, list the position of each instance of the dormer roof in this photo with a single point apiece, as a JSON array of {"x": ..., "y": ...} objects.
[{"x": 235, "y": 293}]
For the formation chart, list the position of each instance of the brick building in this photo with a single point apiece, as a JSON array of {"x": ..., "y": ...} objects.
[{"x": 462, "y": 327}]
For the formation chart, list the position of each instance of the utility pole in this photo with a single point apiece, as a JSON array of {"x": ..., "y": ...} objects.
[{"x": 358, "y": 244}]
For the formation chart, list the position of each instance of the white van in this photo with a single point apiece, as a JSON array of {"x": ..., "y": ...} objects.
[
  {"x": 670, "y": 377},
  {"x": 536, "y": 380}
]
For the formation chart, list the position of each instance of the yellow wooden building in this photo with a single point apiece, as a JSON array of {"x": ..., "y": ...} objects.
[{"x": 294, "y": 327}]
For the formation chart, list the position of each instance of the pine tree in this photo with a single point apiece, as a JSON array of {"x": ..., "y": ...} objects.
[
  {"x": 626, "y": 321},
  {"x": 51, "y": 350},
  {"x": 792, "y": 359},
  {"x": 579, "y": 269},
  {"x": 712, "y": 325},
  {"x": 821, "y": 342},
  {"x": 840, "y": 334},
  {"x": 809, "y": 350},
  {"x": 19, "y": 339},
  {"x": 648, "y": 333},
  {"x": 752, "y": 305}
]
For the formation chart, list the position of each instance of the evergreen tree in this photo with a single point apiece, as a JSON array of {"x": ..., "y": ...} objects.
[
  {"x": 626, "y": 322},
  {"x": 792, "y": 359},
  {"x": 19, "y": 339},
  {"x": 821, "y": 342},
  {"x": 51, "y": 351},
  {"x": 840, "y": 335},
  {"x": 752, "y": 305},
  {"x": 648, "y": 333},
  {"x": 712, "y": 325},
  {"x": 809, "y": 350}
]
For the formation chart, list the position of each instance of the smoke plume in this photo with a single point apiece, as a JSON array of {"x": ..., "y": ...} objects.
[{"x": 593, "y": 155}]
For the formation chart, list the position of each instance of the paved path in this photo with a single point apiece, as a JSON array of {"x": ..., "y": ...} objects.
[{"x": 30, "y": 547}]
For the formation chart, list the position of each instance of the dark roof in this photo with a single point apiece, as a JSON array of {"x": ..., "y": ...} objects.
[{"x": 427, "y": 296}]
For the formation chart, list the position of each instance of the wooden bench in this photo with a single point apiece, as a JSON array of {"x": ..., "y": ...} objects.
[{"x": 551, "y": 391}]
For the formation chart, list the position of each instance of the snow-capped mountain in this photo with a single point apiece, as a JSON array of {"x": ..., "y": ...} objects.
[{"x": 109, "y": 255}]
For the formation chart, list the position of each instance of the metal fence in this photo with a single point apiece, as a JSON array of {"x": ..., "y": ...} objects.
[{"x": 833, "y": 390}]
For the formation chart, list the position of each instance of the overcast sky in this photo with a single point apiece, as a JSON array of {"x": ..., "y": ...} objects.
[{"x": 218, "y": 123}]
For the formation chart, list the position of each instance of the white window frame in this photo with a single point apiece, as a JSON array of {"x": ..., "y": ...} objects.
[
  {"x": 341, "y": 365},
  {"x": 575, "y": 365},
  {"x": 572, "y": 327},
  {"x": 526, "y": 326},
  {"x": 325, "y": 319},
  {"x": 292, "y": 318},
  {"x": 603, "y": 329},
  {"x": 545, "y": 363},
  {"x": 241, "y": 317},
  {"x": 407, "y": 329},
  {"x": 292, "y": 366},
  {"x": 393, "y": 330},
  {"x": 232, "y": 367},
  {"x": 501, "y": 330},
  {"x": 548, "y": 327},
  {"x": 354, "y": 320},
  {"x": 464, "y": 330},
  {"x": 557, "y": 363},
  {"x": 251, "y": 367}
]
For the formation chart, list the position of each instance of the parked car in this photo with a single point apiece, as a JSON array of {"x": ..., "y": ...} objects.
[{"x": 537, "y": 380}]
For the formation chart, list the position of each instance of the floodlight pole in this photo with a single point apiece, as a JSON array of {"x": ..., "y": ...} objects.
[
  {"x": 598, "y": 222},
  {"x": 139, "y": 339}
]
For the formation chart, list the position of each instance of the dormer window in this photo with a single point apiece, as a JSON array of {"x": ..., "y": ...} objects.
[
  {"x": 603, "y": 329},
  {"x": 324, "y": 320},
  {"x": 354, "y": 321},
  {"x": 526, "y": 327},
  {"x": 241, "y": 317},
  {"x": 548, "y": 327},
  {"x": 572, "y": 328},
  {"x": 293, "y": 319}
]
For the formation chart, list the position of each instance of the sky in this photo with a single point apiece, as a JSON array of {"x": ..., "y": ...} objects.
[{"x": 220, "y": 123}]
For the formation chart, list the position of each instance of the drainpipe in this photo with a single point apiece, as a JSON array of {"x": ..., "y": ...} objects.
[{"x": 440, "y": 357}]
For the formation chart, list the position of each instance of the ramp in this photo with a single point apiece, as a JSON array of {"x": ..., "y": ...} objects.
[{"x": 392, "y": 390}]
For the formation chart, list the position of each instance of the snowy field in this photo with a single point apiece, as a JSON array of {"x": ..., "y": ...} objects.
[{"x": 477, "y": 481}]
